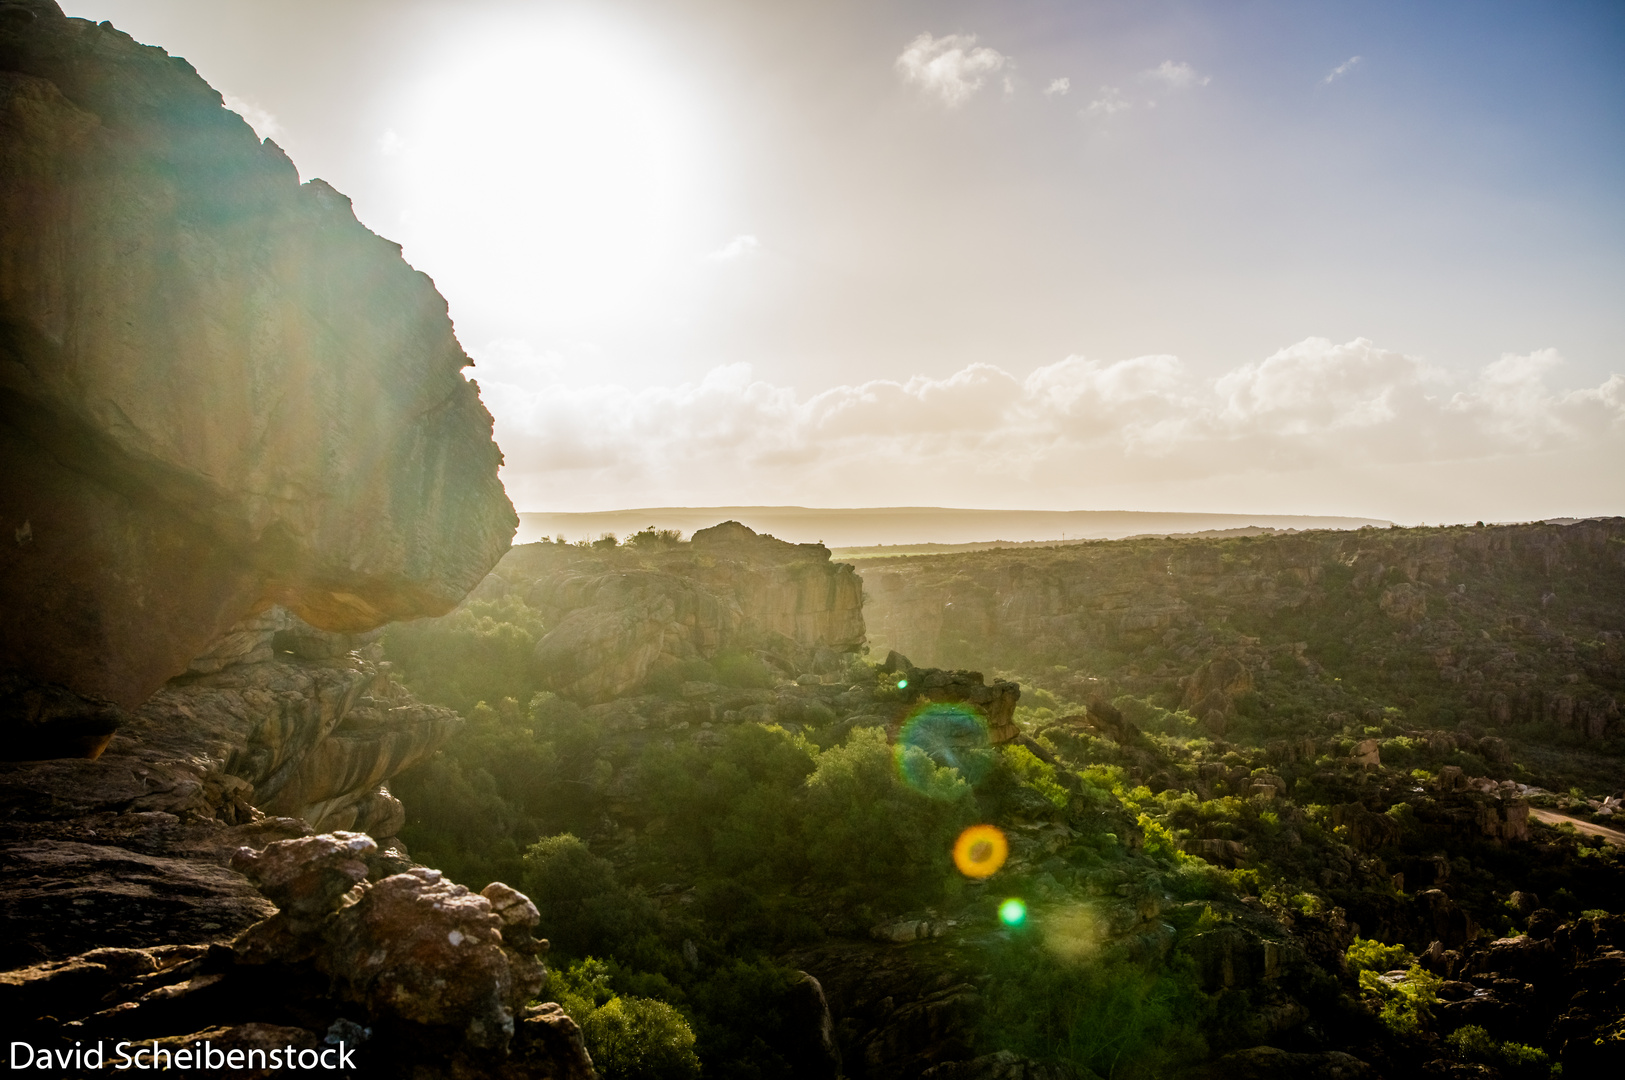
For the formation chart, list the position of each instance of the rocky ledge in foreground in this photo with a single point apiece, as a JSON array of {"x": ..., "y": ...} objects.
[
  {"x": 175, "y": 890},
  {"x": 398, "y": 970}
]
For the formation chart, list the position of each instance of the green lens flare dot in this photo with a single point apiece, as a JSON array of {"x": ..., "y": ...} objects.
[
  {"x": 1012, "y": 912},
  {"x": 902, "y": 684}
]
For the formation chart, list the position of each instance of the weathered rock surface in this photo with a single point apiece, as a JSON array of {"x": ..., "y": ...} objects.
[
  {"x": 1551, "y": 649},
  {"x": 234, "y": 439},
  {"x": 218, "y": 391},
  {"x": 290, "y": 737},
  {"x": 1563, "y": 987},
  {"x": 617, "y": 616},
  {"x": 419, "y": 976},
  {"x": 897, "y": 1013},
  {"x": 1212, "y": 691},
  {"x": 132, "y": 848}
]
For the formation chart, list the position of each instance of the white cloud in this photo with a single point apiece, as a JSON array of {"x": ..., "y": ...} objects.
[
  {"x": 1058, "y": 87},
  {"x": 1178, "y": 76},
  {"x": 737, "y": 248},
  {"x": 260, "y": 119},
  {"x": 1341, "y": 70},
  {"x": 950, "y": 68},
  {"x": 1111, "y": 100},
  {"x": 1295, "y": 424}
]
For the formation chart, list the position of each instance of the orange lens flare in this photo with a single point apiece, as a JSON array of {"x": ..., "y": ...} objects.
[{"x": 980, "y": 850}]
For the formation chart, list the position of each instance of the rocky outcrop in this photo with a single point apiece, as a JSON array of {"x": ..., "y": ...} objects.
[
  {"x": 410, "y": 974},
  {"x": 218, "y": 391},
  {"x": 916, "y": 687},
  {"x": 251, "y": 753},
  {"x": 1561, "y": 986},
  {"x": 617, "y": 615},
  {"x": 290, "y": 737},
  {"x": 234, "y": 440},
  {"x": 1210, "y": 694},
  {"x": 148, "y": 896}
]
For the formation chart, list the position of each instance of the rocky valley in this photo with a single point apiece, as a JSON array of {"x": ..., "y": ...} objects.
[
  {"x": 1324, "y": 804},
  {"x": 303, "y": 759}
]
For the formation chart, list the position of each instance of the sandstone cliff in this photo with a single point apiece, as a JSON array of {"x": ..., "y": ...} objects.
[
  {"x": 1513, "y": 624},
  {"x": 218, "y": 391},
  {"x": 617, "y": 615}
]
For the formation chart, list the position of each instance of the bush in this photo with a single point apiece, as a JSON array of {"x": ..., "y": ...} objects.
[
  {"x": 1121, "y": 1019},
  {"x": 640, "y": 1039},
  {"x": 1475, "y": 1045},
  {"x": 866, "y": 831},
  {"x": 629, "y": 1038},
  {"x": 1404, "y": 1004},
  {"x": 1368, "y": 955},
  {"x": 480, "y": 652},
  {"x": 583, "y": 906}
]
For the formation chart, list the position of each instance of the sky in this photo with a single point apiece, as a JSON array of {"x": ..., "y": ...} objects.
[{"x": 1359, "y": 258}]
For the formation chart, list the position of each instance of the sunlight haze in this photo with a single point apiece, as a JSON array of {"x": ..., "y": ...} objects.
[{"x": 1335, "y": 259}]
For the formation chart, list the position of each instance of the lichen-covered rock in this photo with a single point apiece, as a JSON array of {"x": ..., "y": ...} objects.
[
  {"x": 429, "y": 951},
  {"x": 218, "y": 391},
  {"x": 307, "y": 877}
]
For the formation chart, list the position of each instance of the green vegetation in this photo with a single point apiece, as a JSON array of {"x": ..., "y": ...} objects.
[
  {"x": 1475, "y": 1045},
  {"x": 1192, "y": 884},
  {"x": 1364, "y": 955},
  {"x": 629, "y": 1038}
]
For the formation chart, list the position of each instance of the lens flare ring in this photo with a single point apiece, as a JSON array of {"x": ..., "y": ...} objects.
[
  {"x": 980, "y": 851},
  {"x": 945, "y": 735}
]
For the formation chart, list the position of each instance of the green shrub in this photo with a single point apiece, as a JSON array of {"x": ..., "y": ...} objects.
[
  {"x": 1368, "y": 955},
  {"x": 868, "y": 832},
  {"x": 629, "y": 1038},
  {"x": 1403, "y": 1005},
  {"x": 1159, "y": 842},
  {"x": 640, "y": 1039},
  {"x": 1475, "y": 1045},
  {"x": 584, "y": 908},
  {"x": 1121, "y": 1019},
  {"x": 480, "y": 652},
  {"x": 1034, "y": 774},
  {"x": 742, "y": 669}
]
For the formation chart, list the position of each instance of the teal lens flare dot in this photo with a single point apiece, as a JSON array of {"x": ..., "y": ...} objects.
[
  {"x": 1012, "y": 912},
  {"x": 902, "y": 684}
]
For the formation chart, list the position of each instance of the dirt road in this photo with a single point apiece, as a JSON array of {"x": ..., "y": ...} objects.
[{"x": 1552, "y": 817}]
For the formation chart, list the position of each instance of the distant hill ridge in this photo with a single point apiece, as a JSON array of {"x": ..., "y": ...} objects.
[{"x": 891, "y": 525}]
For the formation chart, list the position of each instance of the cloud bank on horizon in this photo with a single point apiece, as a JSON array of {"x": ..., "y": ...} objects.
[
  {"x": 1391, "y": 434},
  {"x": 835, "y": 253}
]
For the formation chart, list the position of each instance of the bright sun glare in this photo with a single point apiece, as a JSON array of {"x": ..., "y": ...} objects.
[{"x": 551, "y": 169}]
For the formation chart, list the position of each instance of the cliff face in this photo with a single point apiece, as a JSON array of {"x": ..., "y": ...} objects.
[
  {"x": 1518, "y": 624},
  {"x": 218, "y": 391},
  {"x": 617, "y": 616},
  {"x": 234, "y": 439}
]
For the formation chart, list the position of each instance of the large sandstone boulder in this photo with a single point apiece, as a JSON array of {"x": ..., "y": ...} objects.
[{"x": 218, "y": 391}]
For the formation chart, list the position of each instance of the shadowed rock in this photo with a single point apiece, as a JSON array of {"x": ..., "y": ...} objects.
[
  {"x": 619, "y": 616},
  {"x": 218, "y": 391}
]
